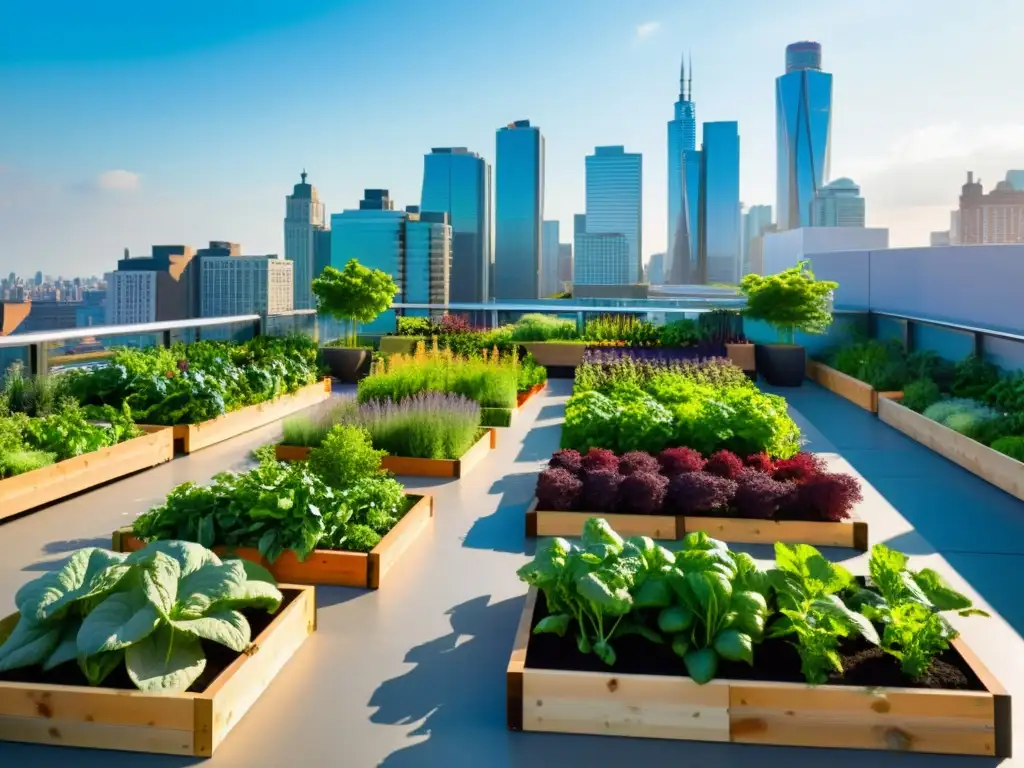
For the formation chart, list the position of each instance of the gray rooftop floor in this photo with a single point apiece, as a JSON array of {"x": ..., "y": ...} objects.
[{"x": 412, "y": 676}]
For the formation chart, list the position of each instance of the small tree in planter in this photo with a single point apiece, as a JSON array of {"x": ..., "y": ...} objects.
[
  {"x": 354, "y": 295},
  {"x": 792, "y": 300}
]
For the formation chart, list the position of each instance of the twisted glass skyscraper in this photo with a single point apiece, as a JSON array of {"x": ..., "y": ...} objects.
[
  {"x": 683, "y": 185},
  {"x": 803, "y": 125}
]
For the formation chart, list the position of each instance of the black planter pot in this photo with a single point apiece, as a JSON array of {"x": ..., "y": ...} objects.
[
  {"x": 347, "y": 365},
  {"x": 781, "y": 365}
]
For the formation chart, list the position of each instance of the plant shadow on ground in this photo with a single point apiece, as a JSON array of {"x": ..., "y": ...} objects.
[
  {"x": 34, "y": 754},
  {"x": 504, "y": 530},
  {"x": 540, "y": 442},
  {"x": 330, "y": 596},
  {"x": 62, "y": 546},
  {"x": 463, "y": 719},
  {"x": 552, "y": 411}
]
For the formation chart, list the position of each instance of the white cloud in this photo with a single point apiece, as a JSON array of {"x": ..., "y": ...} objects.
[
  {"x": 118, "y": 180},
  {"x": 647, "y": 29}
]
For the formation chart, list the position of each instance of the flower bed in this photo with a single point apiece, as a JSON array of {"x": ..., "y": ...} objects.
[
  {"x": 627, "y": 638},
  {"x": 709, "y": 405},
  {"x": 150, "y": 652},
  {"x": 429, "y": 434},
  {"x": 288, "y": 514},
  {"x": 752, "y": 501}
]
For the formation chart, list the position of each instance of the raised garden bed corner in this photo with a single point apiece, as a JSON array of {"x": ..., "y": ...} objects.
[{"x": 856, "y": 391}]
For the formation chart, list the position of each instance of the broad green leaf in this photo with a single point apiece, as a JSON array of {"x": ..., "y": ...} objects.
[
  {"x": 605, "y": 652},
  {"x": 613, "y": 602},
  {"x": 67, "y": 648},
  {"x": 596, "y": 530},
  {"x": 555, "y": 624},
  {"x": 251, "y": 594},
  {"x": 865, "y": 598},
  {"x": 165, "y": 662},
  {"x": 88, "y": 572},
  {"x": 680, "y": 646},
  {"x": 701, "y": 665},
  {"x": 675, "y": 619},
  {"x": 653, "y": 593},
  {"x": 629, "y": 627},
  {"x": 229, "y": 628},
  {"x": 120, "y": 620},
  {"x": 819, "y": 576},
  {"x": 29, "y": 644},
  {"x": 189, "y": 555},
  {"x": 207, "y": 531},
  {"x": 734, "y": 645},
  {"x": 254, "y": 571},
  {"x": 833, "y": 606},
  {"x": 202, "y": 588},
  {"x": 98, "y": 668},
  {"x": 583, "y": 643},
  {"x": 160, "y": 576},
  {"x": 699, "y": 540},
  {"x": 942, "y": 596},
  {"x": 749, "y": 575},
  {"x": 712, "y": 589}
]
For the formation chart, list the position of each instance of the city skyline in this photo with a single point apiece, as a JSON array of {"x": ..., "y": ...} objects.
[{"x": 125, "y": 175}]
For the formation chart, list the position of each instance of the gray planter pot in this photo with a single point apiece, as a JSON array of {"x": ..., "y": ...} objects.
[{"x": 347, "y": 365}]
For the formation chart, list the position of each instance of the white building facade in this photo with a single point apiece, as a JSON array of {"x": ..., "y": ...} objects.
[
  {"x": 304, "y": 218},
  {"x": 131, "y": 297},
  {"x": 245, "y": 285}
]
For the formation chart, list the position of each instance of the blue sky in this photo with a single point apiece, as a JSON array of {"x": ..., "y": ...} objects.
[{"x": 125, "y": 124}]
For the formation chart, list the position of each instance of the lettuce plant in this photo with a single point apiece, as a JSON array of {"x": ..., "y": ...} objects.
[{"x": 149, "y": 610}]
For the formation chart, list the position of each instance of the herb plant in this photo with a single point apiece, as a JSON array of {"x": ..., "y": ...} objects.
[
  {"x": 150, "y": 611},
  {"x": 792, "y": 300}
]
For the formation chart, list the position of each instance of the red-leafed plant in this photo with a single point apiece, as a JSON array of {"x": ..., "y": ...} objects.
[
  {"x": 800, "y": 467},
  {"x": 600, "y": 458},
  {"x": 698, "y": 493},
  {"x": 567, "y": 459},
  {"x": 643, "y": 493},
  {"x": 828, "y": 497},
  {"x": 601, "y": 490},
  {"x": 558, "y": 489},
  {"x": 762, "y": 462},
  {"x": 635, "y": 462},
  {"x": 724, "y": 464},
  {"x": 758, "y": 496},
  {"x": 453, "y": 324},
  {"x": 676, "y": 461}
]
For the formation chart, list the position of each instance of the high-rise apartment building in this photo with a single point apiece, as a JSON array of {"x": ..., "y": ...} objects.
[
  {"x": 683, "y": 167},
  {"x": 656, "y": 269},
  {"x": 603, "y": 258},
  {"x": 232, "y": 284},
  {"x": 458, "y": 182},
  {"x": 614, "y": 188},
  {"x": 756, "y": 221},
  {"x": 993, "y": 218},
  {"x": 564, "y": 265},
  {"x": 720, "y": 203},
  {"x": 803, "y": 127},
  {"x": 549, "y": 258},
  {"x": 153, "y": 288},
  {"x": 304, "y": 218},
  {"x": 414, "y": 247},
  {"x": 838, "y": 204},
  {"x": 519, "y": 210}
]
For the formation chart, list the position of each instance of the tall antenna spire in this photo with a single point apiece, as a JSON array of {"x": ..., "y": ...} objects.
[
  {"x": 689, "y": 82},
  {"x": 682, "y": 78}
]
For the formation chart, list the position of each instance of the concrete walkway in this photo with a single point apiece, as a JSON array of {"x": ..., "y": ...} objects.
[{"x": 413, "y": 676}]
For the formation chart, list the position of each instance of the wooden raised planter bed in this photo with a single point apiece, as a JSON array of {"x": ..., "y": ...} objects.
[
  {"x": 748, "y": 712},
  {"x": 409, "y": 467},
  {"x": 328, "y": 567},
  {"x": 522, "y": 397},
  {"x": 193, "y": 437},
  {"x": 193, "y": 724},
  {"x": 854, "y": 390},
  {"x": 852, "y": 534},
  {"x": 554, "y": 354},
  {"x": 48, "y": 484},
  {"x": 995, "y": 467}
]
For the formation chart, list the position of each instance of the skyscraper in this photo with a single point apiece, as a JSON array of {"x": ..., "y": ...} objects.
[
  {"x": 720, "y": 203},
  {"x": 564, "y": 265},
  {"x": 615, "y": 201},
  {"x": 656, "y": 269},
  {"x": 427, "y": 263},
  {"x": 519, "y": 211},
  {"x": 549, "y": 258},
  {"x": 682, "y": 142},
  {"x": 803, "y": 127},
  {"x": 602, "y": 258},
  {"x": 838, "y": 204},
  {"x": 756, "y": 222},
  {"x": 458, "y": 182},
  {"x": 579, "y": 223},
  {"x": 304, "y": 217}
]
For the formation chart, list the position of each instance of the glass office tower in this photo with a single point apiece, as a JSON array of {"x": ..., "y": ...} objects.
[
  {"x": 721, "y": 238},
  {"x": 803, "y": 126},
  {"x": 756, "y": 221},
  {"x": 615, "y": 201},
  {"x": 682, "y": 214},
  {"x": 602, "y": 258},
  {"x": 689, "y": 267},
  {"x": 458, "y": 182},
  {"x": 519, "y": 211},
  {"x": 427, "y": 263},
  {"x": 549, "y": 284}
]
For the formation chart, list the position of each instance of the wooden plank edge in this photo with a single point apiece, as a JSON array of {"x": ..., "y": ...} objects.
[
  {"x": 1001, "y": 699},
  {"x": 515, "y": 671},
  {"x": 409, "y": 520},
  {"x": 860, "y": 535},
  {"x": 531, "y": 519}
]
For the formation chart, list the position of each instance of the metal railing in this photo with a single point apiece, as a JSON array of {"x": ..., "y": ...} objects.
[{"x": 45, "y": 351}]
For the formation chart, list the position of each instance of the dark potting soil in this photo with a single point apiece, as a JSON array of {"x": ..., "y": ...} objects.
[
  {"x": 218, "y": 658},
  {"x": 774, "y": 660}
]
